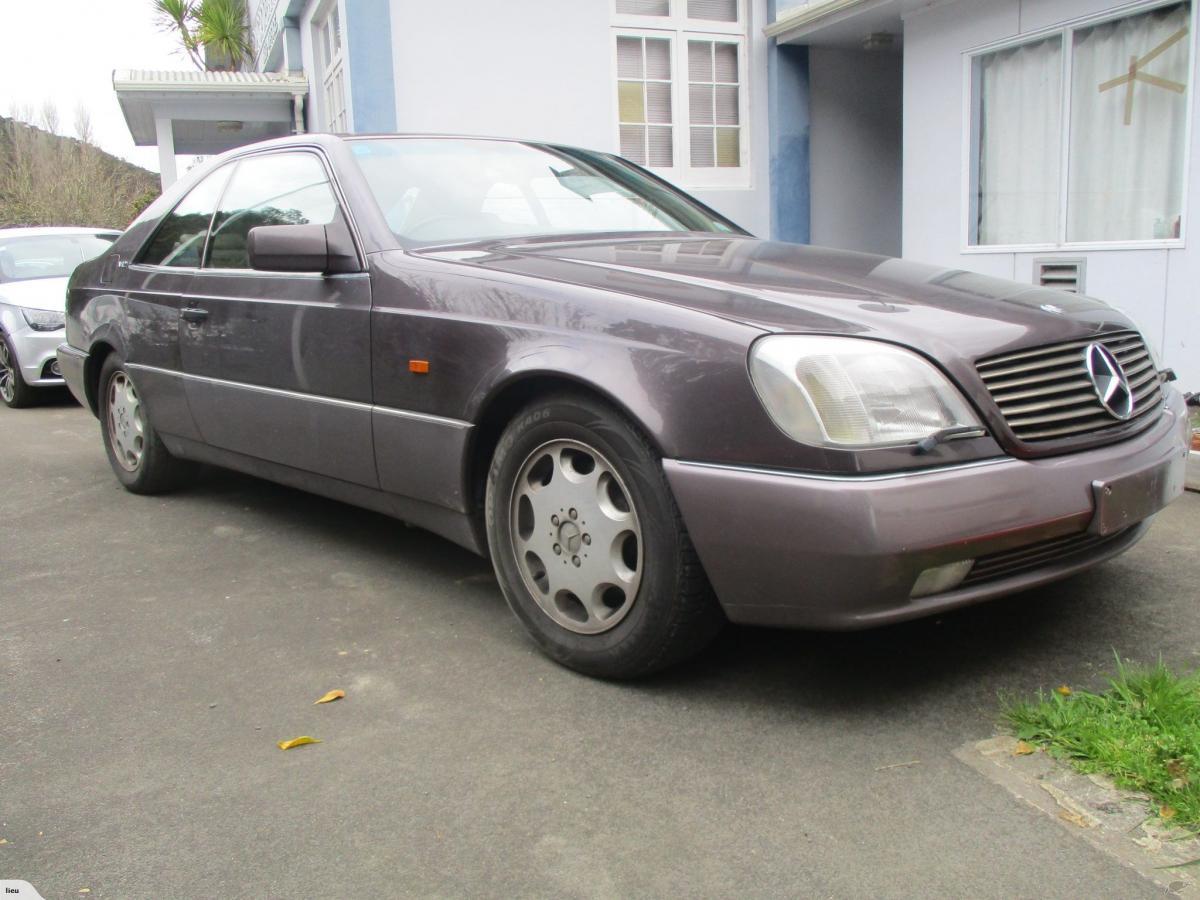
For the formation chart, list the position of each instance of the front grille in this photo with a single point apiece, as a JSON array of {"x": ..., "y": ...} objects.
[
  {"x": 1034, "y": 556},
  {"x": 1046, "y": 393}
]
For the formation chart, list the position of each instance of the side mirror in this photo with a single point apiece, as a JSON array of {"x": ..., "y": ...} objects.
[{"x": 323, "y": 249}]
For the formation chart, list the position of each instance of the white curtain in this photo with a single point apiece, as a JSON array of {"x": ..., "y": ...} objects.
[
  {"x": 1126, "y": 180},
  {"x": 1019, "y": 143}
]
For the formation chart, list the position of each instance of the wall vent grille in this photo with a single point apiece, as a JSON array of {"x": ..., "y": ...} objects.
[{"x": 1061, "y": 274}]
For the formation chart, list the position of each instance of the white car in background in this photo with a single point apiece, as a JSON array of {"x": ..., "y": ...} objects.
[
  {"x": 1193, "y": 466},
  {"x": 35, "y": 264}
]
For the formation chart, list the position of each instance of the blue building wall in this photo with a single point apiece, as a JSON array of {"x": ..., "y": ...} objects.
[
  {"x": 372, "y": 84},
  {"x": 790, "y": 174}
]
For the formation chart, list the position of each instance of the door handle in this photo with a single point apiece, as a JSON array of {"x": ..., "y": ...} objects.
[{"x": 193, "y": 314}]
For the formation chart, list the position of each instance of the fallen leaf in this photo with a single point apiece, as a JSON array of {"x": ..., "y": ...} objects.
[
  {"x": 85, "y": 890},
  {"x": 1063, "y": 691},
  {"x": 3, "y": 840},
  {"x": 298, "y": 742},
  {"x": 1074, "y": 819},
  {"x": 902, "y": 765},
  {"x": 330, "y": 697},
  {"x": 1167, "y": 812},
  {"x": 1024, "y": 748}
]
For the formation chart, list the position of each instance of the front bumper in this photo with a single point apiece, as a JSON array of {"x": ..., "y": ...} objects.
[
  {"x": 36, "y": 355},
  {"x": 797, "y": 550}
]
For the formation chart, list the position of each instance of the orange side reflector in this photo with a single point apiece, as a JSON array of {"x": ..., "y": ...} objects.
[{"x": 420, "y": 366}]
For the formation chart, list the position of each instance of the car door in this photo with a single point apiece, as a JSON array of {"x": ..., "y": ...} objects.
[
  {"x": 278, "y": 364},
  {"x": 150, "y": 289}
]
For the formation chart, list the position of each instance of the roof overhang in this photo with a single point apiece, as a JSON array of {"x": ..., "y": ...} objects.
[
  {"x": 843, "y": 23},
  {"x": 209, "y": 112}
]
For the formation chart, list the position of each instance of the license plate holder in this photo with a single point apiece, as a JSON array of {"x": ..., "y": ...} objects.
[{"x": 1122, "y": 502}]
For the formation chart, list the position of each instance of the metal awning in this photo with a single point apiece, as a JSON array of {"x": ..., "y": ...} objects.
[{"x": 203, "y": 113}]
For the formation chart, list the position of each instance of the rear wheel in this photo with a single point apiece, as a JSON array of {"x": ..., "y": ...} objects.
[
  {"x": 588, "y": 545},
  {"x": 14, "y": 391},
  {"x": 138, "y": 457}
]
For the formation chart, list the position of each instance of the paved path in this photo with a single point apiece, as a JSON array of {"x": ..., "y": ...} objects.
[{"x": 153, "y": 650}]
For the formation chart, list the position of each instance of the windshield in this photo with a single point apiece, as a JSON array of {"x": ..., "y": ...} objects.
[
  {"x": 442, "y": 191},
  {"x": 48, "y": 256}
]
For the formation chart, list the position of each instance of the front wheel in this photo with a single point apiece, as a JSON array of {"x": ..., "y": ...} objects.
[
  {"x": 588, "y": 545},
  {"x": 135, "y": 451},
  {"x": 14, "y": 390}
]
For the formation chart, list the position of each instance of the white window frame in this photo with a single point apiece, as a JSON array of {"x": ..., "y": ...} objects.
[
  {"x": 338, "y": 67},
  {"x": 1066, "y": 30},
  {"x": 679, "y": 29}
]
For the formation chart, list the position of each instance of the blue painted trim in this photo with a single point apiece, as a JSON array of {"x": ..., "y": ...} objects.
[
  {"x": 790, "y": 169},
  {"x": 372, "y": 82}
]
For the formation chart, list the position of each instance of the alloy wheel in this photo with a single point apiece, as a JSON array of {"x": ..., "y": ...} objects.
[
  {"x": 126, "y": 422},
  {"x": 576, "y": 536},
  {"x": 8, "y": 374}
]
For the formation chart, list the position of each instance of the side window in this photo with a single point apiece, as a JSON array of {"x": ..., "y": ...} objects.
[
  {"x": 179, "y": 240},
  {"x": 277, "y": 189}
]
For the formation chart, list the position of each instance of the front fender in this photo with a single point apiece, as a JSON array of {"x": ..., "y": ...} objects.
[{"x": 10, "y": 318}]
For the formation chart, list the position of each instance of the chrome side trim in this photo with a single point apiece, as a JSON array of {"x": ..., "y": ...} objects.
[
  {"x": 421, "y": 417},
  {"x": 189, "y": 296},
  {"x": 149, "y": 269},
  {"x": 856, "y": 479},
  {"x": 299, "y": 395},
  {"x": 271, "y": 273}
]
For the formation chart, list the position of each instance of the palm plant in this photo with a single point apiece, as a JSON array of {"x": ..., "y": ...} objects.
[
  {"x": 210, "y": 30},
  {"x": 221, "y": 28}
]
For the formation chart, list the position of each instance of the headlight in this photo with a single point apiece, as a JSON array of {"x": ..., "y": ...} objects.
[
  {"x": 43, "y": 319},
  {"x": 853, "y": 393}
]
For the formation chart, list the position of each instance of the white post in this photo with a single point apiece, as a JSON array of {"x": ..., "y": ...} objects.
[
  {"x": 166, "y": 151},
  {"x": 298, "y": 113}
]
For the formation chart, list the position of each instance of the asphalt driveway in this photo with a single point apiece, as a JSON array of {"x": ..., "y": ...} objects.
[{"x": 153, "y": 650}]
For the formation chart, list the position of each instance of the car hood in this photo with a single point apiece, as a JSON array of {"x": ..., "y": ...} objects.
[
  {"x": 775, "y": 286},
  {"x": 37, "y": 293}
]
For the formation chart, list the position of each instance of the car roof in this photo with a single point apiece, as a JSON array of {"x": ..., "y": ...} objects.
[{"x": 53, "y": 231}]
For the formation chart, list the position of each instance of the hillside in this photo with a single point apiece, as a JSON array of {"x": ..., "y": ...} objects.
[{"x": 47, "y": 179}]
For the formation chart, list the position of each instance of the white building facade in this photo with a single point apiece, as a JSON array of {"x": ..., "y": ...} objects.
[
  {"x": 678, "y": 85},
  {"x": 1047, "y": 141}
]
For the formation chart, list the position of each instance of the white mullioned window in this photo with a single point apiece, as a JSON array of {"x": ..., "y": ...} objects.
[
  {"x": 328, "y": 47},
  {"x": 1079, "y": 134},
  {"x": 681, "y": 88}
]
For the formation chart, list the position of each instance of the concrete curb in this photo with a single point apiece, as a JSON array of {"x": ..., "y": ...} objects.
[{"x": 1119, "y": 823}]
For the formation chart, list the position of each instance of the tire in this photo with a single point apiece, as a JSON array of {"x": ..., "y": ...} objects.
[
  {"x": 597, "y": 564},
  {"x": 15, "y": 392},
  {"x": 136, "y": 453}
]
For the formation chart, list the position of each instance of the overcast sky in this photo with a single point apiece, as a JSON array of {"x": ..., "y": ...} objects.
[{"x": 65, "y": 51}]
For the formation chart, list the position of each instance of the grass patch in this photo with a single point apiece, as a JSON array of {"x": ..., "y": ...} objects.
[{"x": 1143, "y": 732}]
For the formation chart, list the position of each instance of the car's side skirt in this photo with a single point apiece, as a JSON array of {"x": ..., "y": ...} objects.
[{"x": 451, "y": 524}]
